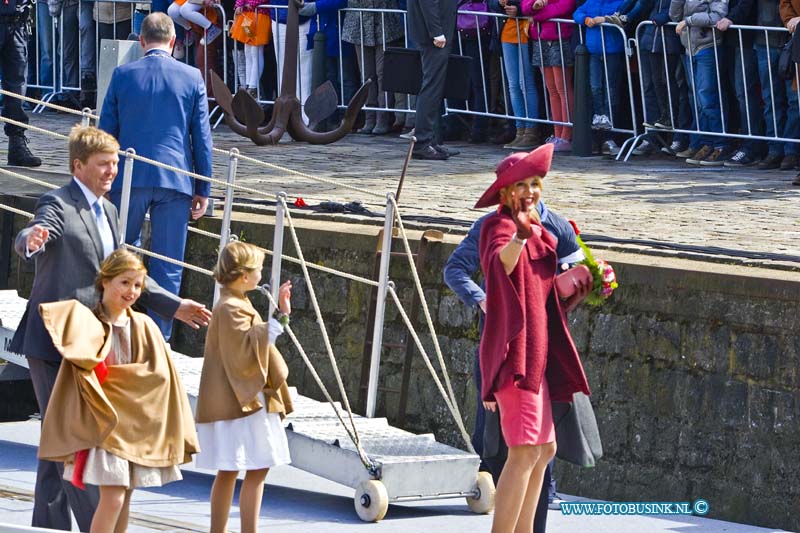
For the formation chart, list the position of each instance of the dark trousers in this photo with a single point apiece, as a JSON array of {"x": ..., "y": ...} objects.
[
  {"x": 14, "y": 65},
  {"x": 54, "y": 496},
  {"x": 429, "y": 100}
]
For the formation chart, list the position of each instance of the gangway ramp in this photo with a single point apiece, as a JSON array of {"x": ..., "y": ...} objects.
[{"x": 406, "y": 467}]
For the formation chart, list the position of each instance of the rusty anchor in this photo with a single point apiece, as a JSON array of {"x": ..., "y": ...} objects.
[{"x": 286, "y": 112}]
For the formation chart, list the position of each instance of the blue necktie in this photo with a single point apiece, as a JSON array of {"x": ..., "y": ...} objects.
[{"x": 106, "y": 236}]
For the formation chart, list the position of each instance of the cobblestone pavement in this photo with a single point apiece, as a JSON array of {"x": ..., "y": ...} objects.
[{"x": 657, "y": 198}]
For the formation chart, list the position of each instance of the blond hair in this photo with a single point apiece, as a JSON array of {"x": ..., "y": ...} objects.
[
  {"x": 157, "y": 28},
  {"x": 506, "y": 198},
  {"x": 118, "y": 262},
  {"x": 237, "y": 258},
  {"x": 85, "y": 141}
]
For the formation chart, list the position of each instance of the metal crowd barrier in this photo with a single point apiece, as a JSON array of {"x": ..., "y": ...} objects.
[{"x": 773, "y": 116}]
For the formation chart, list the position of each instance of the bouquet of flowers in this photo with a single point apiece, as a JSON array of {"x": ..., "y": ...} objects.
[{"x": 603, "y": 276}]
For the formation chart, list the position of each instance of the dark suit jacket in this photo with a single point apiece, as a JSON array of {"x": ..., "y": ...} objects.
[
  {"x": 158, "y": 106},
  {"x": 430, "y": 18},
  {"x": 67, "y": 266}
]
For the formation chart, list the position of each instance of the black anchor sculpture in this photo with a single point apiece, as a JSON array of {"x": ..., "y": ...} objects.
[{"x": 286, "y": 112}]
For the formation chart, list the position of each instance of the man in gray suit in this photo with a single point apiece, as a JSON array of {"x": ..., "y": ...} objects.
[
  {"x": 432, "y": 26},
  {"x": 74, "y": 228}
]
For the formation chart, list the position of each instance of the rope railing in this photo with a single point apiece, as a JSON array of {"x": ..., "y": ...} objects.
[
  {"x": 365, "y": 460},
  {"x": 15, "y": 210},
  {"x": 320, "y": 321},
  {"x": 294, "y": 260},
  {"x": 452, "y": 406},
  {"x": 426, "y": 311},
  {"x": 23, "y": 177}
]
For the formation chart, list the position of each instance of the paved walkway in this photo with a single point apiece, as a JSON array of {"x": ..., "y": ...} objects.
[
  {"x": 657, "y": 199},
  {"x": 295, "y": 501}
]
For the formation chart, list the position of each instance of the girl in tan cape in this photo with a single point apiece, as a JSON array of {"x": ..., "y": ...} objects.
[
  {"x": 243, "y": 392},
  {"x": 118, "y": 416}
]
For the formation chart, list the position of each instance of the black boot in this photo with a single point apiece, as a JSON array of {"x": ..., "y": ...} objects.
[
  {"x": 19, "y": 154},
  {"x": 88, "y": 90}
]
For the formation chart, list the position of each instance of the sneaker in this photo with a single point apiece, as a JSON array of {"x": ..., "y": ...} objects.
[
  {"x": 603, "y": 123},
  {"x": 644, "y": 149},
  {"x": 555, "y": 503},
  {"x": 595, "y": 120},
  {"x": 609, "y": 147},
  {"x": 551, "y": 140},
  {"x": 212, "y": 33},
  {"x": 664, "y": 123},
  {"x": 408, "y": 135},
  {"x": 689, "y": 152},
  {"x": 673, "y": 148},
  {"x": 740, "y": 159},
  {"x": 714, "y": 159},
  {"x": 789, "y": 162},
  {"x": 771, "y": 162},
  {"x": 562, "y": 145},
  {"x": 701, "y": 154}
]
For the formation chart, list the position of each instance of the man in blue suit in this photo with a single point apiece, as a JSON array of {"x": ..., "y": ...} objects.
[{"x": 158, "y": 106}]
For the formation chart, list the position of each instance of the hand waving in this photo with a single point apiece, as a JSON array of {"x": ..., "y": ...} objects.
[
  {"x": 285, "y": 297},
  {"x": 521, "y": 213}
]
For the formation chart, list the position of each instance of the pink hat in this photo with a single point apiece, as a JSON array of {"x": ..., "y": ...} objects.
[{"x": 517, "y": 167}]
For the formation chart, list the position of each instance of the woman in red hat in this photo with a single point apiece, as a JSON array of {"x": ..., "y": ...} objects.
[{"x": 527, "y": 355}]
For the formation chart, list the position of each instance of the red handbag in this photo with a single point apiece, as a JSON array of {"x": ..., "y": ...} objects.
[{"x": 568, "y": 282}]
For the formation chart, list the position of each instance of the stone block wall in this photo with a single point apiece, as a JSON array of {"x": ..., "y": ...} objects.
[{"x": 694, "y": 367}]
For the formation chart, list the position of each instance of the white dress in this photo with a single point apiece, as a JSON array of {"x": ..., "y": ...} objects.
[{"x": 252, "y": 442}]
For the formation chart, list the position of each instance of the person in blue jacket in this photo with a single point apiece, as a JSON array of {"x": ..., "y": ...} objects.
[
  {"x": 459, "y": 271},
  {"x": 606, "y": 44},
  {"x": 665, "y": 87}
]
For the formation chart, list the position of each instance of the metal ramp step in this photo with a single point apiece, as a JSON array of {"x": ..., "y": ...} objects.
[{"x": 409, "y": 466}]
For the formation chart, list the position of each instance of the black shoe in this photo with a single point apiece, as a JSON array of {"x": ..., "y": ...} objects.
[
  {"x": 429, "y": 153},
  {"x": 449, "y": 152},
  {"x": 789, "y": 162},
  {"x": 771, "y": 162},
  {"x": 88, "y": 90},
  {"x": 796, "y": 180},
  {"x": 19, "y": 155},
  {"x": 740, "y": 159}
]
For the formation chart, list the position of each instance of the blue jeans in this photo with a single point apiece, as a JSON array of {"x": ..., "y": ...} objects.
[
  {"x": 702, "y": 75},
  {"x": 521, "y": 87},
  {"x": 780, "y": 103},
  {"x": 169, "y": 220},
  {"x": 605, "y": 90},
  {"x": 479, "y": 68},
  {"x": 746, "y": 88},
  {"x": 44, "y": 33}
]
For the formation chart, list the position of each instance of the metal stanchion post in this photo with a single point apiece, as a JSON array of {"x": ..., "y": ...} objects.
[
  {"x": 225, "y": 230},
  {"x": 277, "y": 251},
  {"x": 380, "y": 308},
  {"x": 582, "y": 112},
  {"x": 125, "y": 199}
]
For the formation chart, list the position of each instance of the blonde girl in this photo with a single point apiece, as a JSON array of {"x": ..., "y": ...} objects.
[{"x": 243, "y": 391}]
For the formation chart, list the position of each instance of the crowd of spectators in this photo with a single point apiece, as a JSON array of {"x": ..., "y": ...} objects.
[{"x": 696, "y": 71}]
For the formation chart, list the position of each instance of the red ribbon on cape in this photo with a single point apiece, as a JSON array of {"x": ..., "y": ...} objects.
[{"x": 101, "y": 371}]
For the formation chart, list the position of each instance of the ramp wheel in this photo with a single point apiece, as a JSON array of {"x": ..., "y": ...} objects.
[
  {"x": 483, "y": 500},
  {"x": 372, "y": 500}
]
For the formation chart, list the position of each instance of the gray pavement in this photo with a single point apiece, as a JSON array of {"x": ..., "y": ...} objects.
[
  {"x": 649, "y": 204},
  {"x": 298, "y": 502}
]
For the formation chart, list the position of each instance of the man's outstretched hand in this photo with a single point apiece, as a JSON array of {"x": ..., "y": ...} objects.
[{"x": 193, "y": 314}]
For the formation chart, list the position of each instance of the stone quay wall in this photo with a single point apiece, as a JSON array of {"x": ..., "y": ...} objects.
[{"x": 694, "y": 367}]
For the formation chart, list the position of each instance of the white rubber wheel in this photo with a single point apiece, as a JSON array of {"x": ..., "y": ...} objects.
[
  {"x": 483, "y": 501},
  {"x": 371, "y": 500}
]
